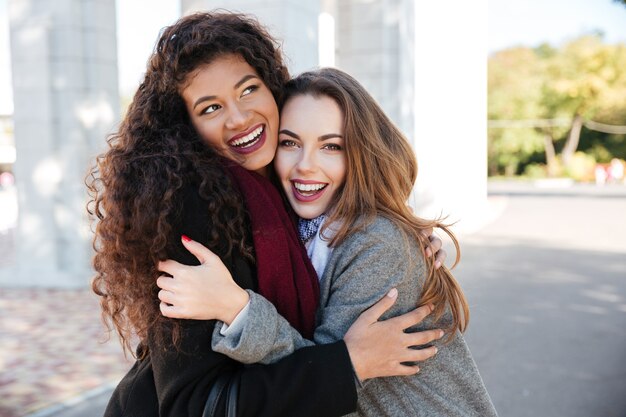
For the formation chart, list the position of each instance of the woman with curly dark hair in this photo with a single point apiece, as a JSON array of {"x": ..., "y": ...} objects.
[{"x": 191, "y": 159}]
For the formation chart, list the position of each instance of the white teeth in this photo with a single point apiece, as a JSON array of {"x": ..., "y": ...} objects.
[
  {"x": 249, "y": 137},
  {"x": 308, "y": 187}
]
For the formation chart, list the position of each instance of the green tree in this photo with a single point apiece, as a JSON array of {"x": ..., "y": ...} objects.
[
  {"x": 583, "y": 80},
  {"x": 578, "y": 79},
  {"x": 514, "y": 93}
]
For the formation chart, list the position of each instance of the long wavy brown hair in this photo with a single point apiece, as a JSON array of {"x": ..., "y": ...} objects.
[
  {"x": 136, "y": 186},
  {"x": 380, "y": 174}
]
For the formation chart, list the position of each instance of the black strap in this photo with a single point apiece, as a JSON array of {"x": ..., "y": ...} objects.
[
  {"x": 214, "y": 396},
  {"x": 223, "y": 383},
  {"x": 233, "y": 396}
]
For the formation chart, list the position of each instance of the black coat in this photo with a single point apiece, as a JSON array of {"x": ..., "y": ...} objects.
[{"x": 170, "y": 382}]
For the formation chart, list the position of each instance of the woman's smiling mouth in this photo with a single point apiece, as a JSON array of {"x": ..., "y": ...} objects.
[
  {"x": 308, "y": 191},
  {"x": 248, "y": 142}
]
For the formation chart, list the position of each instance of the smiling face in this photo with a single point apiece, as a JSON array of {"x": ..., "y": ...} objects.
[
  {"x": 311, "y": 161},
  {"x": 233, "y": 110}
]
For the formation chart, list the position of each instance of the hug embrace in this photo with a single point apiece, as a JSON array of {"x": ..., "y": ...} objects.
[{"x": 269, "y": 266}]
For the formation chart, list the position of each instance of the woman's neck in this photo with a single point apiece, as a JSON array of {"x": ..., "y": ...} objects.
[{"x": 264, "y": 172}]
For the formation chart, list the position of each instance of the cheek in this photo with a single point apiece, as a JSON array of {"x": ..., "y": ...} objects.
[
  {"x": 209, "y": 134},
  {"x": 271, "y": 146},
  {"x": 340, "y": 172},
  {"x": 271, "y": 109},
  {"x": 281, "y": 165}
]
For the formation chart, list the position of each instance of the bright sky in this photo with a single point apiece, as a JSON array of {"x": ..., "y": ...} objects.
[
  {"x": 532, "y": 22},
  {"x": 511, "y": 22}
]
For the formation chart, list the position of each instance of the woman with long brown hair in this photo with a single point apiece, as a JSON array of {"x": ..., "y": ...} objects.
[
  {"x": 347, "y": 171},
  {"x": 190, "y": 158}
]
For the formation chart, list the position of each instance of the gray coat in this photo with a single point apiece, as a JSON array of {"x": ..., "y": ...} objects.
[{"x": 359, "y": 272}]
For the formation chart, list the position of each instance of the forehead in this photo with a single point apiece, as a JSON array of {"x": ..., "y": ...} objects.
[
  {"x": 306, "y": 111},
  {"x": 225, "y": 71}
]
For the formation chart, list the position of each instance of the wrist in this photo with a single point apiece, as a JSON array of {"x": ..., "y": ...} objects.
[
  {"x": 236, "y": 304},
  {"x": 357, "y": 361}
]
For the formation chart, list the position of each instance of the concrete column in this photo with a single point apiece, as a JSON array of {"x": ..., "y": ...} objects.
[
  {"x": 64, "y": 66},
  {"x": 294, "y": 22},
  {"x": 375, "y": 44},
  {"x": 426, "y": 64}
]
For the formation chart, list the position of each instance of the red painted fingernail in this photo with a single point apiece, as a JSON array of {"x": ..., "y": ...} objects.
[{"x": 186, "y": 238}]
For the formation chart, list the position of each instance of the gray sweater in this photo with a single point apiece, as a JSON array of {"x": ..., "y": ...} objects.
[{"x": 359, "y": 272}]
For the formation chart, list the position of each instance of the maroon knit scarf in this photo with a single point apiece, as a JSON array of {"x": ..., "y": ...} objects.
[{"x": 285, "y": 274}]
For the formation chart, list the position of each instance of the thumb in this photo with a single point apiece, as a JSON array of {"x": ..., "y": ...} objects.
[
  {"x": 201, "y": 252},
  {"x": 373, "y": 313}
]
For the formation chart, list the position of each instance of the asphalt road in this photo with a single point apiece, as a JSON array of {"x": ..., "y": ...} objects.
[
  {"x": 546, "y": 282},
  {"x": 547, "y": 287}
]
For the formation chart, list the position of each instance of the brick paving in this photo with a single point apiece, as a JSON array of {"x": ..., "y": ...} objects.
[
  {"x": 53, "y": 345},
  {"x": 52, "y": 349}
]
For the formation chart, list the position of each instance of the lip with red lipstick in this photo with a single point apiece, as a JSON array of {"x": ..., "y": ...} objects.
[
  {"x": 307, "y": 191},
  {"x": 248, "y": 141}
]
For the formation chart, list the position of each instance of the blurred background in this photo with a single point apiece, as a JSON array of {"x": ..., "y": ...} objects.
[{"x": 516, "y": 111}]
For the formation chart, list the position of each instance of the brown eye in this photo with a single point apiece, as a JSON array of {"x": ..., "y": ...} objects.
[
  {"x": 249, "y": 90},
  {"x": 332, "y": 147},
  {"x": 210, "y": 109},
  {"x": 287, "y": 143}
]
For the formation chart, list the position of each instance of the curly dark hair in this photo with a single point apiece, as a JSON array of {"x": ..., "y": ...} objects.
[{"x": 136, "y": 185}]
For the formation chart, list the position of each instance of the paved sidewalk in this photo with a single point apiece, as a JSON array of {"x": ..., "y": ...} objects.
[{"x": 52, "y": 350}]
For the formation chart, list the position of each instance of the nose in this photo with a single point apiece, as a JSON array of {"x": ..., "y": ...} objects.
[
  {"x": 238, "y": 117},
  {"x": 307, "y": 161}
]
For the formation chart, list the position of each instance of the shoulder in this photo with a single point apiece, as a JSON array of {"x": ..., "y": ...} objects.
[
  {"x": 371, "y": 261},
  {"x": 381, "y": 240},
  {"x": 380, "y": 232}
]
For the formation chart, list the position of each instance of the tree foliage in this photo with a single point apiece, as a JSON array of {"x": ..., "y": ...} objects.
[{"x": 556, "y": 90}]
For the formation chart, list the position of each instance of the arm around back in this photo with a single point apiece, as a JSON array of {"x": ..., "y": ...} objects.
[{"x": 313, "y": 381}]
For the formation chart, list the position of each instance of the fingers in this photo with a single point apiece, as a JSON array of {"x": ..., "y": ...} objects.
[
  {"x": 372, "y": 314},
  {"x": 406, "y": 370},
  {"x": 201, "y": 252},
  {"x": 169, "y": 311},
  {"x": 436, "y": 247},
  {"x": 418, "y": 355},
  {"x": 435, "y": 243},
  {"x": 166, "y": 283},
  {"x": 167, "y": 297},
  {"x": 169, "y": 266},
  {"x": 424, "y": 338},
  {"x": 413, "y": 317},
  {"x": 440, "y": 259}
]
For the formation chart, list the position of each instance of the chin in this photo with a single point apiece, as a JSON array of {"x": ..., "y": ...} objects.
[
  {"x": 307, "y": 214},
  {"x": 259, "y": 163}
]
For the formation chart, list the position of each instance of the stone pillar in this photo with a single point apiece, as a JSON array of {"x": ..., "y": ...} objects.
[
  {"x": 375, "y": 44},
  {"x": 292, "y": 22},
  {"x": 426, "y": 64},
  {"x": 64, "y": 66}
]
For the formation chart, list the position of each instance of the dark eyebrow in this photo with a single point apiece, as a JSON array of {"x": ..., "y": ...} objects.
[
  {"x": 203, "y": 99},
  {"x": 237, "y": 85},
  {"x": 329, "y": 136},
  {"x": 290, "y": 133},
  {"x": 244, "y": 79},
  {"x": 321, "y": 138}
]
